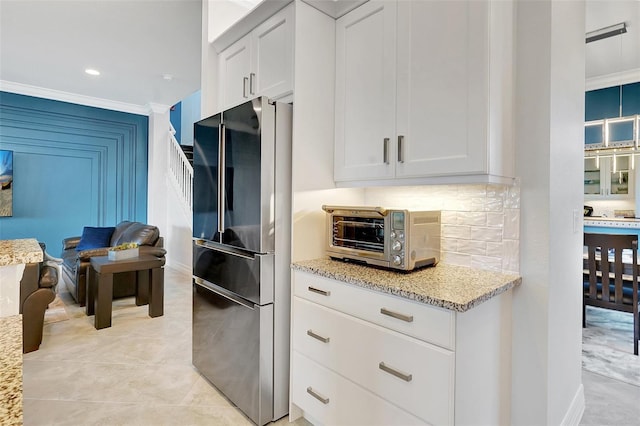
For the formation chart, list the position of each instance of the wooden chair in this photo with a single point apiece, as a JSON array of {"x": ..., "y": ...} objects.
[{"x": 620, "y": 292}]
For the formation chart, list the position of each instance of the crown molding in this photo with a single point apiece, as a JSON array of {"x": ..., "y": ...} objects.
[
  {"x": 58, "y": 95},
  {"x": 615, "y": 79},
  {"x": 157, "y": 108},
  {"x": 252, "y": 19}
]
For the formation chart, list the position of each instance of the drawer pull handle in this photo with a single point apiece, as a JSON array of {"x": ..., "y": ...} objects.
[
  {"x": 404, "y": 376},
  {"x": 317, "y": 396},
  {"x": 318, "y": 291},
  {"x": 403, "y": 317},
  {"x": 317, "y": 336}
]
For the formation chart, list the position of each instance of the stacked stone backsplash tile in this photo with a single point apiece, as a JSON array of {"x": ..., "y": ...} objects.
[{"x": 480, "y": 223}]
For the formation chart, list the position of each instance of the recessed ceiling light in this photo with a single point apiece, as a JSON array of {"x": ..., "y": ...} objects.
[
  {"x": 91, "y": 71},
  {"x": 167, "y": 77}
]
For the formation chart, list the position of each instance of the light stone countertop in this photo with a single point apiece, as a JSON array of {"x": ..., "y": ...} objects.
[
  {"x": 612, "y": 222},
  {"x": 11, "y": 370},
  {"x": 457, "y": 288},
  {"x": 15, "y": 252}
]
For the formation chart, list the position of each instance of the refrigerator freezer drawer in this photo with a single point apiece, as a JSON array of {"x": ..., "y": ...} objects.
[
  {"x": 249, "y": 276},
  {"x": 233, "y": 349}
]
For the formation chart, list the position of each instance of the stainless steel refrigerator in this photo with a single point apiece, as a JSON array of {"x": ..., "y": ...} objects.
[{"x": 241, "y": 255}]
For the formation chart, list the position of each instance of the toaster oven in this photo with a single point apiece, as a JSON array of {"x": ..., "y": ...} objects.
[{"x": 395, "y": 239}]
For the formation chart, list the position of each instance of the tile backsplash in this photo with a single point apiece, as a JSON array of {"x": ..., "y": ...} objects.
[{"x": 480, "y": 223}]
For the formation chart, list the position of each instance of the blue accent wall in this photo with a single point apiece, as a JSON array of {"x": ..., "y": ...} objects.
[
  {"x": 74, "y": 166},
  {"x": 175, "y": 117}
]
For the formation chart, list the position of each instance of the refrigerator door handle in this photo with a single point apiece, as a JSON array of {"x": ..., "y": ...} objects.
[
  {"x": 221, "y": 177},
  {"x": 223, "y": 293},
  {"x": 224, "y": 249}
]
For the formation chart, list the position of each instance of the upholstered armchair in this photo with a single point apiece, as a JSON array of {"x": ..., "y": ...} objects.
[
  {"x": 96, "y": 241},
  {"x": 37, "y": 291}
]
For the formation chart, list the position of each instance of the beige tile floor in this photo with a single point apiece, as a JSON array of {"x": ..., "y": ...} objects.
[{"x": 137, "y": 372}]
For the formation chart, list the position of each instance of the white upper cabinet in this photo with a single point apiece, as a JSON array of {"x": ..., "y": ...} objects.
[
  {"x": 235, "y": 67},
  {"x": 608, "y": 178},
  {"x": 260, "y": 63},
  {"x": 365, "y": 92},
  {"x": 423, "y": 92},
  {"x": 272, "y": 47}
]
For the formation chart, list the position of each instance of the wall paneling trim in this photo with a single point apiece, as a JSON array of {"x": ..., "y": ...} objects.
[{"x": 74, "y": 166}]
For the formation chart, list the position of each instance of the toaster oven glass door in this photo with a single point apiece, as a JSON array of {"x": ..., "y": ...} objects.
[{"x": 359, "y": 233}]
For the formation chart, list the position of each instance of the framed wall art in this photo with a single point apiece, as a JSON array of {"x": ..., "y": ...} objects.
[{"x": 6, "y": 183}]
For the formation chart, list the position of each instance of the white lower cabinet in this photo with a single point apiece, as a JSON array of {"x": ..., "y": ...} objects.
[
  {"x": 330, "y": 399},
  {"x": 411, "y": 374},
  {"x": 354, "y": 365}
]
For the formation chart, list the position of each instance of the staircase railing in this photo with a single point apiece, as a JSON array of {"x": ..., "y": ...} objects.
[{"x": 181, "y": 170}]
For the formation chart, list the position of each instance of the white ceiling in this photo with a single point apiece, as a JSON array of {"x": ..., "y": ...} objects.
[
  {"x": 134, "y": 43},
  {"x": 618, "y": 54}
]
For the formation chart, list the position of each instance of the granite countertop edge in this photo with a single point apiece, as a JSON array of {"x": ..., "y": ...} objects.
[
  {"x": 11, "y": 398},
  {"x": 510, "y": 281},
  {"x": 20, "y": 251}
]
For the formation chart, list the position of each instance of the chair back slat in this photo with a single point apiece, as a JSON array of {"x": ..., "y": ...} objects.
[
  {"x": 593, "y": 270},
  {"x": 608, "y": 270}
]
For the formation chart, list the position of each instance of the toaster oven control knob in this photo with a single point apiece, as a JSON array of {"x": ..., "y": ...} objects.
[
  {"x": 397, "y": 260},
  {"x": 392, "y": 234},
  {"x": 396, "y": 246}
]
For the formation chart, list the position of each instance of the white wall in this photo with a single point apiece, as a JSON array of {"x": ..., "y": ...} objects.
[
  {"x": 549, "y": 119},
  {"x": 159, "y": 126},
  {"x": 209, "y": 70},
  {"x": 313, "y": 117},
  {"x": 165, "y": 209},
  {"x": 608, "y": 207}
]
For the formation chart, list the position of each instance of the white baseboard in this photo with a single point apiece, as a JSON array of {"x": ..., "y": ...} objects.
[{"x": 576, "y": 409}]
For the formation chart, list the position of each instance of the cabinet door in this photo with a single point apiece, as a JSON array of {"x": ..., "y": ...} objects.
[
  {"x": 442, "y": 110},
  {"x": 593, "y": 184},
  {"x": 234, "y": 67},
  {"x": 608, "y": 179},
  {"x": 272, "y": 56},
  {"x": 365, "y": 92},
  {"x": 620, "y": 177}
]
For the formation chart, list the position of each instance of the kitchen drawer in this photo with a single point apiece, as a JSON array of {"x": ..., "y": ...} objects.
[
  {"x": 344, "y": 403},
  {"x": 429, "y": 323},
  {"x": 414, "y": 375}
]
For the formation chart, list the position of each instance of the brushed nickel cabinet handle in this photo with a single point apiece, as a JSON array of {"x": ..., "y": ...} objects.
[
  {"x": 245, "y": 81},
  {"x": 401, "y": 149},
  {"x": 317, "y": 336},
  {"x": 385, "y": 151},
  {"x": 403, "y": 317},
  {"x": 318, "y": 291},
  {"x": 404, "y": 376},
  {"x": 317, "y": 396},
  {"x": 252, "y": 77}
]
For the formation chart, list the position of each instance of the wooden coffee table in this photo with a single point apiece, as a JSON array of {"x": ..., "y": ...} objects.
[{"x": 149, "y": 285}]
